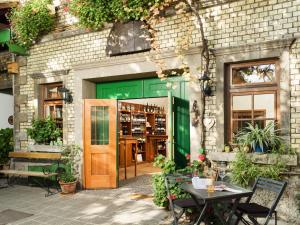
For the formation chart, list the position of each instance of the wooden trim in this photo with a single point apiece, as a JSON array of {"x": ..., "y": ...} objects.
[
  {"x": 255, "y": 63},
  {"x": 35, "y": 155},
  {"x": 253, "y": 89}
]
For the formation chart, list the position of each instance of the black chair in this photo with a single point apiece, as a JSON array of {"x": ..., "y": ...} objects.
[
  {"x": 178, "y": 206},
  {"x": 254, "y": 210}
]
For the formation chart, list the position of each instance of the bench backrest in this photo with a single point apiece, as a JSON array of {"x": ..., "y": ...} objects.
[{"x": 35, "y": 155}]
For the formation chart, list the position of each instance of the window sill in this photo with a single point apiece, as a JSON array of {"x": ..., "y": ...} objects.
[
  {"x": 44, "y": 148},
  {"x": 291, "y": 160}
]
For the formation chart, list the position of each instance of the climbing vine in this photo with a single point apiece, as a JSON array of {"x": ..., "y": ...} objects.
[
  {"x": 185, "y": 8},
  {"x": 31, "y": 20},
  {"x": 93, "y": 14}
]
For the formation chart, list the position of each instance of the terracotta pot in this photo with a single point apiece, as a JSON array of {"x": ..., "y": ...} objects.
[{"x": 68, "y": 188}]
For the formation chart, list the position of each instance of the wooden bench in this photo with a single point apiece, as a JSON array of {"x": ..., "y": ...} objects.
[{"x": 45, "y": 174}]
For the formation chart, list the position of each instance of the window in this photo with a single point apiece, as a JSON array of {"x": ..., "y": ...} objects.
[
  {"x": 252, "y": 95},
  {"x": 52, "y": 103}
]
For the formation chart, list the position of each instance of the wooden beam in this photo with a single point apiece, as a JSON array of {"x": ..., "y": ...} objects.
[
  {"x": 4, "y": 4},
  {"x": 35, "y": 155}
]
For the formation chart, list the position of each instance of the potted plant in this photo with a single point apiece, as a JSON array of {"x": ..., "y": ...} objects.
[
  {"x": 6, "y": 145},
  {"x": 71, "y": 157},
  {"x": 45, "y": 133},
  {"x": 260, "y": 139}
]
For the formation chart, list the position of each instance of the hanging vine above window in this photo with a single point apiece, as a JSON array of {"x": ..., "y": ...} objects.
[
  {"x": 93, "y": 14},
  {"x": 31, "y": 20}
]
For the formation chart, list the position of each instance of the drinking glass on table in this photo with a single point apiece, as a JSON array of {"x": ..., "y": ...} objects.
[{"x": 222, "y": 171}]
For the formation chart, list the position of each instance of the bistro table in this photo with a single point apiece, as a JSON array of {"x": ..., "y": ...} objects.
[{"x": 202, "y": 196}]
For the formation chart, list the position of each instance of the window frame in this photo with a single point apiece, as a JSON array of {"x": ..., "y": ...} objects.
[
  {"x": 45, "y": 101},
  {"x": 249, "y": 89}
]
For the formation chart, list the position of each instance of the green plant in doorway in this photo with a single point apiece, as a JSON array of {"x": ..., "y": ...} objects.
[
  {"x": 43, "y": 131},
  {"x": 31, "y": 20},
  {"x": 6, "y": 144},
  {"x": 167, "y": 166}
]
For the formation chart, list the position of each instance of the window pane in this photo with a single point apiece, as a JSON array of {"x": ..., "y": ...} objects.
[
  {"x": 264, "y": 106},
  {"x": 243, "y": 102},
  {"x": 237, "y": 126},
  {"x": 262, "y": 123},
  {"x": 100, "y": 125},
  {"x": 253, "y": 74}
]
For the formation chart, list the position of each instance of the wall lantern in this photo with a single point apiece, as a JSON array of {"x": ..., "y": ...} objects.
[
  {"x": 66, "y": 94},
  {"x": 205, "y": 84}
]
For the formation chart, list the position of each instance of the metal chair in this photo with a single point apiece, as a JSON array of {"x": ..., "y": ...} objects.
[
  {"x": 254, "y": 210},
  {"x": 178, "y": 206}
]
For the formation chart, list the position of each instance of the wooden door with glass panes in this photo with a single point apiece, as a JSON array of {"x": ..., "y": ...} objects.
[
  {"x": 53, "y": 103},
  {"x": 100, "y": 143}
]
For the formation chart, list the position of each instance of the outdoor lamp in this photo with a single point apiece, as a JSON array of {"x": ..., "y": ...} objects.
[
  {"x": 205, "y": 84},
  {"x": 66, "y": 94}
]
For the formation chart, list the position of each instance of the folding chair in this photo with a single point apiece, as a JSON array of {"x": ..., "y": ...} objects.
[
  {"x": 177, "y": 206},
  {"x": 254, "y": 210}
]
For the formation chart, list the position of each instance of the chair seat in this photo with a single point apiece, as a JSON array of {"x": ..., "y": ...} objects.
[
  {"x": 253, "y": 209},
  {"x": 185, "y": 203}
]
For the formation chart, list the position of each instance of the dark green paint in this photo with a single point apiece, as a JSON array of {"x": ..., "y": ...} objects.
[
  {"x": 120, "y": 90},
  {"x": 181, "y": 131},
  {"x": 4, "y": 36}
]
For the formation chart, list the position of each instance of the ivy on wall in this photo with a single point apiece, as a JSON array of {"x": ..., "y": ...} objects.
[
  {"x": 31, "y": 20},
  {"x": 93, "y": 14}
]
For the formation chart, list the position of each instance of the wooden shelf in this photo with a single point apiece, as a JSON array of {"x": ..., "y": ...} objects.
[{"x": 145, "y": 149}]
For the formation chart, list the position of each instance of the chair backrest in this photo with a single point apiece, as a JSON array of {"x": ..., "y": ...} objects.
[
  {"x": 174, "y": 179},
  {"x": 270, "y": 185}
]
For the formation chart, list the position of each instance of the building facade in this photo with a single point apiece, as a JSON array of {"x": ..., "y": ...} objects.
[{"x": 243, "y": 34}]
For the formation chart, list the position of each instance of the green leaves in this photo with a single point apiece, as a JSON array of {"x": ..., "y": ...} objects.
[
  {"x": 266, "y": 138},
  {"x": 6, "y": 144},
  {"x": 93, "y": 14},
  {"x": 160, "y": 193},
  {"x": 44, "y": 131},
  {"x": 31, "y": 20},
  {"x": 244, "y": 171}
]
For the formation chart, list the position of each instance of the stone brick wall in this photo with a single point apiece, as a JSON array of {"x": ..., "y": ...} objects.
[{"x": 227, "y": 25}]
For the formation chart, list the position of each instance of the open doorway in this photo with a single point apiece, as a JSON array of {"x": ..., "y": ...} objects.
[{"x": 143, "y": 134}]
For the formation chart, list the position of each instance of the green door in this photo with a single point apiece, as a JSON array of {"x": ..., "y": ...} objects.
[{"x": 181, "y": 131}]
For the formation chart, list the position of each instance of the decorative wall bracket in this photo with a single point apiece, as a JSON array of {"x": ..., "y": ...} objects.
[{"x": 195, "y": 114}]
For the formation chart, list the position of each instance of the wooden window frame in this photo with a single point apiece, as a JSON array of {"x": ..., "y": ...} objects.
[
  {"x": 45, "y": 101},
  {"x": 250, "y": 89}
]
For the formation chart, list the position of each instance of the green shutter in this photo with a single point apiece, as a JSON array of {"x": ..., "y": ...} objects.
[
  {"x": 4, "y": 35},
  {"x": 17, "y": 49}
]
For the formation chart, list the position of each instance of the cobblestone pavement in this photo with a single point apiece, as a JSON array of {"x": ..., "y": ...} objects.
[
  {"x": 107, "y": 207},
  {"x": 88, "y": 207}
]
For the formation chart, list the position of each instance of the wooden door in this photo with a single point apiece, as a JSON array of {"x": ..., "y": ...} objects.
[{"x": 100, "y": 138}]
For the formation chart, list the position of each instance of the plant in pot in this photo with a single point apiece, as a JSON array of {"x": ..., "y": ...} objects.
[
  {"x": 6, "y": 145},
  {"x": 260, "y": 139},
  {"x": 44, "y": 132},
  {"x": 71, "y": 157}
]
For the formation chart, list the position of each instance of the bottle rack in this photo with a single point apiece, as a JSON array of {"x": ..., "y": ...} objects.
[{"x": 160, "y": 124}]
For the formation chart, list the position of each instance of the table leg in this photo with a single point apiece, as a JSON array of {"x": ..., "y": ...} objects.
[
  {"x": 202, "y": 210},
  {"x": 218, "y": 214},
  {"x": 233, "y": 210}
]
